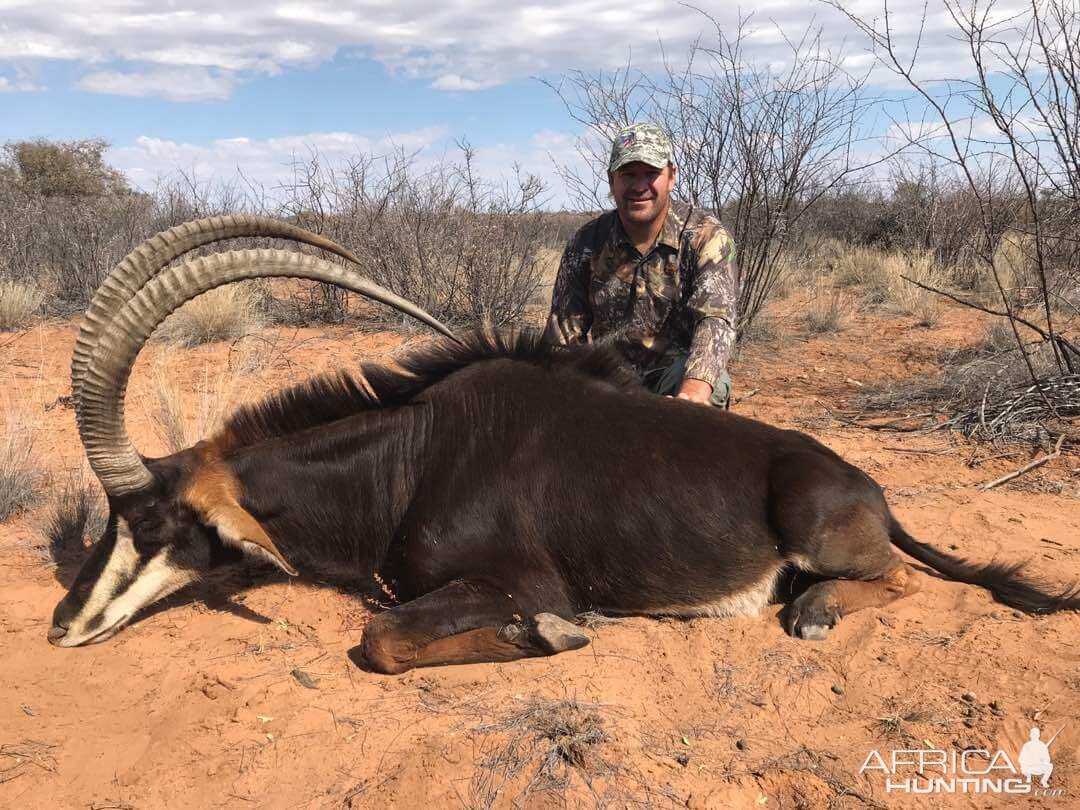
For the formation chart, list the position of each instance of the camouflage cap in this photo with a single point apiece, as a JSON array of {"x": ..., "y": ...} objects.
[{"x": 644, "y": 142}]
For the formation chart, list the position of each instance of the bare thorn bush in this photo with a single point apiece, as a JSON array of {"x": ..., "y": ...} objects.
[
  {"x": 180, "y": 421},
  {"x": 1020, "y": 178},
  {"x": 76, "y": 517},
  {"x": 20, "y": 477},
  {"x": 227, "y": 313},
  {"x": 999, "y": 337},
  {"x": 465, "y": 248},
  {"x": 19, "y": 303},
  {"x": 829, "y": 311}
]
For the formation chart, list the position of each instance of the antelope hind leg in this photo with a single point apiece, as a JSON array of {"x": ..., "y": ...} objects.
[
  {"x": 834, "y": 523},
  {"x": 821, "y": 606}
]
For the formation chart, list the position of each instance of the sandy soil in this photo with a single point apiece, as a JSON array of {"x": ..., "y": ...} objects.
[{"x": 201, "y": 703}]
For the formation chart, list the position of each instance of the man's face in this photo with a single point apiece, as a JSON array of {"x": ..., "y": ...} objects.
[{"x": 641, "y": 191}]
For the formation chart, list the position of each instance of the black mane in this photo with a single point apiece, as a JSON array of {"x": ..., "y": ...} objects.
[{"x": 329, "y": 397}]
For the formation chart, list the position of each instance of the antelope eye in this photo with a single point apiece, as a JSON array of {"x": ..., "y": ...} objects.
[{"x": 146, "y": 532}]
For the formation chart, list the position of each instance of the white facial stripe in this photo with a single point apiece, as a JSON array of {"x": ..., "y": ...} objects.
[
  {"x": 157, "y": 579},
  {"x": 121, "y": 565}
]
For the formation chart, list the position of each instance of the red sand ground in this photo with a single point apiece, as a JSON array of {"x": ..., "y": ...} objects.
[{"x": 195, "y": 705}]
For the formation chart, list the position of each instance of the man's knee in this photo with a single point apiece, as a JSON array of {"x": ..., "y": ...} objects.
[
  {"x": 666, "y": 381},
  {"x": 721, "y": 393}
]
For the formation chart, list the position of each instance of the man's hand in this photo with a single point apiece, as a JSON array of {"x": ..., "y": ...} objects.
[{"x": 695, "y": 390}]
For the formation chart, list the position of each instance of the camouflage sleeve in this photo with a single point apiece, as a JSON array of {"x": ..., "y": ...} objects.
[
  {"x": 712, "y": 304},
  {"x": 571, "y": 313}
]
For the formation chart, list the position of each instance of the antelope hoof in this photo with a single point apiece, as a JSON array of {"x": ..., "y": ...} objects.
[
  {"x": 813, "y": 632},
  {"x": 558, "y": 634},
  {"x": 811, "y": 618}
]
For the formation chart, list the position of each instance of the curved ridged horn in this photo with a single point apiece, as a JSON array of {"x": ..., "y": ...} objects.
[
  {"x": 101, "y": 418},
  {"x": 144, "y": 262}
]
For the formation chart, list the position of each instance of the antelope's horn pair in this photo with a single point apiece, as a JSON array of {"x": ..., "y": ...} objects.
[{"x": 142, "y": 291}]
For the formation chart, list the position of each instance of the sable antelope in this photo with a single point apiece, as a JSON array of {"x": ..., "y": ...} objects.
[{"x": 495, "y": 486}]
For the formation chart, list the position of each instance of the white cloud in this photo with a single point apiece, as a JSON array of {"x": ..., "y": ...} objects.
[
  {"x": 181, "y": 84},
  {"x": 453, "y": 82},
  {"x": 18, "y": 85},
  {"x": 458, "y": 45},
  {"x": 267, "y": 162}
]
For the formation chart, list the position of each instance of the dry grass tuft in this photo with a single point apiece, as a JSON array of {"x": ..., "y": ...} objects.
[
  {"x": 226, "y": 313},
  {"x": 999, "y": 337},
  {"x": 20, "y": 477},
  {"x": 254, "y": 354},
  {"x": 865, "y": 268},
  {"x": 797, "y": 269},
  {"x": 765, "y": 329},
  {"x": 1013, "y": 262},
  {"x": 19, "y": 303},
  {"x": 179, "y": 423},
  {"x": 76, "y": 517},
  {"x": 879, "y": 278},
  {"x": 899, "y": 715},
  {"x": 548, "y": 264},
  {"x": 910, "y": 299},
  {"x": 18, "y": 758},
  {"x": 560, "y": 736},
  {"x": 1067, "y": 303},
  {"x": 829, "y": 311}
]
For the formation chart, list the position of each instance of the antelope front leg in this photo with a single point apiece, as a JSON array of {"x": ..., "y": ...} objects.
[{"x": 463, "y": 623}]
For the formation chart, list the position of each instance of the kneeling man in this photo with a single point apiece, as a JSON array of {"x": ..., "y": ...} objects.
[{"x": 661, "y": 287}]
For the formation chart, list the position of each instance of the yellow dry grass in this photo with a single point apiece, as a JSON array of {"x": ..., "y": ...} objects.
[
  {"x": 925, "y": 306},
  {"x": 20, "y": 477},
  {"x": 881, "y": 278},
  {"x": 226, "y": 313},
  {"x": 829, "y": 310},
  {"x": 19, "y": 303},
  {"x": 179, "y": 419}
]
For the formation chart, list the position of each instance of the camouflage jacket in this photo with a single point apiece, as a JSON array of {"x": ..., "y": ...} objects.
[{"x": 679, "y": 297}]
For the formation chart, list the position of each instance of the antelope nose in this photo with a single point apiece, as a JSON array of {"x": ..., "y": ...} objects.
[{"x": 56, "y": 632}]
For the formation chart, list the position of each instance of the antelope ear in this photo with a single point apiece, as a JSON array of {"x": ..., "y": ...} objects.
[
  {"x": 238, "y": 528},
  {"x": 212, "y": 492}
]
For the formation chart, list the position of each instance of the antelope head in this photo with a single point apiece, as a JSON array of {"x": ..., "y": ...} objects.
[{"x": 171, "y": 520}]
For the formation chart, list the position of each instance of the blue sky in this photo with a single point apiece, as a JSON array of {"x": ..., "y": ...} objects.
[
  {"x": 216, "y": 87},
  {"x": 346, "y": 93}
]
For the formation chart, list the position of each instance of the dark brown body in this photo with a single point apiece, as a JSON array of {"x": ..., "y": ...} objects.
[{"x": 551, "y": 483}]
